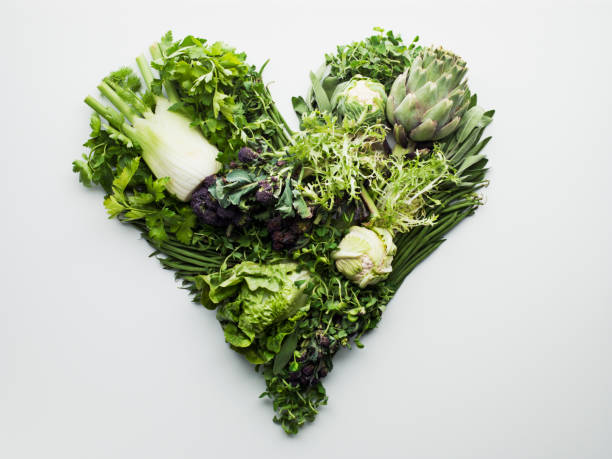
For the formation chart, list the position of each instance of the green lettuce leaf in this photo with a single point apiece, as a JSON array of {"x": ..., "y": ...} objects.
[{"x": 258, "y": 305}]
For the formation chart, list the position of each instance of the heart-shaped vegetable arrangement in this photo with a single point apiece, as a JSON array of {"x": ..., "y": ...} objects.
[{"x": 297, "y": 239}]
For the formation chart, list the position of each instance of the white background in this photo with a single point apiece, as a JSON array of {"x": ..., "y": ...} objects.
[{"x": 498, "y": 346}]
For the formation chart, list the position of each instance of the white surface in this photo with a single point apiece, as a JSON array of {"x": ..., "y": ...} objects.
[{"x": 102, "y": 356}]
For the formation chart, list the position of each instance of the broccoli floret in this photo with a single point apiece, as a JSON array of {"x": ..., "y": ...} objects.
[
  {"x": 265, "y": 193},
  {"x": 275, "y": 224},
  {"x": 210, "y": 217},
  {"x": 265, "y": 197},
  {"x": 209, "y": 181},
  {"x": 204, "y": 206},
  {"x": 229, "y": 213},
  {"x": 246, "y": 155}
]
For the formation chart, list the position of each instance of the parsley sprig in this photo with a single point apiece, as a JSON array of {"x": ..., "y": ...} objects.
[{"x": 381, "y": 57}]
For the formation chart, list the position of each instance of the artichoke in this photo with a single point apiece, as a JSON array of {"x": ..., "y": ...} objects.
[
  {"x": 427, "y": 101},
  {"x": 360, "y": 99},
  {"x": 364, "y": 255}
]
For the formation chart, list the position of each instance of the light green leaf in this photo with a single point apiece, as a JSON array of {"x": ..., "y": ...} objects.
[
  {"x": 140, "y": 199},
  {"x": 136, "y": 214},
  {"x": 156, "y": 228},
  {"x": 113, "y": 207},
  {"x": 470, "y": 120},
  {"x": 95, "y": 124},
  {"x": 125, "y": 176},
  {"x": 218, "y": 99},
  {"x": 184, "y": 232},
  {"x": 84, "y": 171},
  {"x": 300, "y": 205},
  {"x": 156, "y": 187},
  {"x": 285, "y": 202},
  {"x": 320, "y": 95}
]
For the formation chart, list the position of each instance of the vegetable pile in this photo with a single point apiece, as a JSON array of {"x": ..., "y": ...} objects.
[{"x": 298, "y": 240}]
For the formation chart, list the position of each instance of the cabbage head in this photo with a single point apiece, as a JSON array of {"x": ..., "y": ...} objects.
[
  {"x": 360, "y": 99},
  {"x": 258, "y": 305},
  {"x": 364, "y": 255}
]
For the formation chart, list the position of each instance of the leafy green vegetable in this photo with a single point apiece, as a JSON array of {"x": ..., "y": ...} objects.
[
  {"x": 361, "y": 100},
  {"x": 365, "y": 255},
  {"x": 337, "y": 160},
  {"x": 348, "y": 162},
  {"x": 380, "y": 57},
  {"x": 258, "y": 305},
  {"x": 403, "y": 199},
  {"x": 221, "y": 93},
  {"x": 455, "y": 200},
  {"x": 265, "y": 186},
  {"x": 240, "y": 96},
  {"x": 293, "y": 404},
  {"x": 283, "y": 303}
]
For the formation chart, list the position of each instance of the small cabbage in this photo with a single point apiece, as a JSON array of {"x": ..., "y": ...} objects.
[
  {"x": 258, "y": 305},
  {"x": 360, "y": 99},
  {"x": 364, "y": 255}
]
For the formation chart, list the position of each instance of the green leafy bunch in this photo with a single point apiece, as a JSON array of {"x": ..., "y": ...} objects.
[
  {"x": 336, "y": 159},
  {"x": 258, "y": 305},
  {"x": 339, "y": 314},
  {"x": 222, "y": 93},
  {"x": 150, "y": 203},
  {"x": 328, "y": 166},
  {"x": 348, "y": 162},
  {"x": 217, "y": 90},
  {"x": 133, "y": 193},
  {"x": 403, "y": 199},
  {"x": 272, "y": 170},
  {"x": 381, "y": 57}
]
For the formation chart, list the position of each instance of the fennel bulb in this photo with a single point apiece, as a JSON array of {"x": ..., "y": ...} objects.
[{"x": 171, "y": 147}]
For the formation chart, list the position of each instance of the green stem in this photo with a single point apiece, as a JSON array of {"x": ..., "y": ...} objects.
[
  {"x": 401, "y": 274},
  {"x": 145, "y": 70},
  {"x": 118, "y": 102},
  {"x": 170, "y": 90},
  {"x": 129, "y": 97},
  {"x": 181, "y": 267},
  {"x": 213, "y": 260},
  {"x": 111, "y": 115},
  {"x": 369, "y": 202},
  {"x": 189, "y": 259},
  {"x": 460, "y": 205},
  {"x": 288, "y": 132}
]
